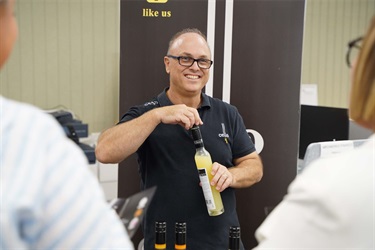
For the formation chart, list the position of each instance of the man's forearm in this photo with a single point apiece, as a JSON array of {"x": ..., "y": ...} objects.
[
  {"x": 247, "y": 172},
  {"x": 119, "y": 142}
]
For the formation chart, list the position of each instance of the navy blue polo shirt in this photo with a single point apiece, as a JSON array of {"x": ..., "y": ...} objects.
[{"x": 166, "y": 159}]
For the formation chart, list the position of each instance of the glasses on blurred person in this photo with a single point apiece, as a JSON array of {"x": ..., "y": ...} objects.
[
  {"x": 187, "y": 61},
  {"x": 354, "y": 47}
]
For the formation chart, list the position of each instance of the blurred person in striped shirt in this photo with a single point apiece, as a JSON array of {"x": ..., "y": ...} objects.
[{"x": 48, "y": 197}]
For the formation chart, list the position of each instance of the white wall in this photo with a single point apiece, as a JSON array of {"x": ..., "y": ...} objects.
[
  {"x": 67, "y": 56},
  {"x": 329, "y": 26}
]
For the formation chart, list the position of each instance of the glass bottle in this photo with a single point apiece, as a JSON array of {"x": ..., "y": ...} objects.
[
  {"x": 204, "y": 165},
  {"x": 160, "y": 235},
  {"x": 180, "y": 241},
  {"x": 234, "y": 238}
]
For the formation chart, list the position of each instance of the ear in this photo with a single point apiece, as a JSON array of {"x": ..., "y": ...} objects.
[{"x": 166, "y": 63}]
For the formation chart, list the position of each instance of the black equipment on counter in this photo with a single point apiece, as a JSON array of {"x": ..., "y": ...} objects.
[{"x": 75, "y": 129}]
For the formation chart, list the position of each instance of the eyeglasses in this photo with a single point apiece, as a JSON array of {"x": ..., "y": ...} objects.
[
  {"x": 188, "y": 61},
  {"x": 354, "y": 47}
]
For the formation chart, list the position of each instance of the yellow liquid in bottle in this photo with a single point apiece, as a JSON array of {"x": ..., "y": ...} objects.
[{"x": 212, "y": 196}]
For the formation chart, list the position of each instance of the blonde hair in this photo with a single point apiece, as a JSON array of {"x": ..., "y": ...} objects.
[{"x": 362, "y": 97}]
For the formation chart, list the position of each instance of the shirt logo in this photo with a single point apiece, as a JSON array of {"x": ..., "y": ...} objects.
[
  {"x": 154, "y": 103},
  {"x": 224, "y": 134}
]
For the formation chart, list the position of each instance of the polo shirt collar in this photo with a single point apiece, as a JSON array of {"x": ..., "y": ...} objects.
[{"x": 164, "y": 100}]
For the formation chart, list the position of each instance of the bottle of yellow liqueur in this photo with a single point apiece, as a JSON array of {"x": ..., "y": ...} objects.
[{"x": 204, "y": 164}]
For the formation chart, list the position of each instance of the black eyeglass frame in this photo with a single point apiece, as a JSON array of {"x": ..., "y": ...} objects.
[
  {"x": 178, "y": 58},
  {"x": 352, "y": 44}
]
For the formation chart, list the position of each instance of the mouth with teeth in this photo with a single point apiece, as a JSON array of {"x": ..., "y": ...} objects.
[{"x": 193, "y": 77}]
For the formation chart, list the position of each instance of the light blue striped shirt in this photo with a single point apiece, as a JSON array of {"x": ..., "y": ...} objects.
[{"x": 49, "y": 199}]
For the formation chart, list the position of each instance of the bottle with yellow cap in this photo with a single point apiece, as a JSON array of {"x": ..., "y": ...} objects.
[
  {"x": 160, "y": 235},
  {"x": 180, "y": 241}
]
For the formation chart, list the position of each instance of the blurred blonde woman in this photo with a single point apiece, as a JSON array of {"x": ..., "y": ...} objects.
[{"x": 331, "y": 204}]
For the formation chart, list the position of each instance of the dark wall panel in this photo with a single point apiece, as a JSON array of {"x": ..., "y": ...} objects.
[{"x": 144, "y": 42}]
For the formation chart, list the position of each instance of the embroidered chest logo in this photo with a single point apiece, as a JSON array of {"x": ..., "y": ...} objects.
[
  {"x": 154, "y": 103},
  {"x": 224, "y": 134}
]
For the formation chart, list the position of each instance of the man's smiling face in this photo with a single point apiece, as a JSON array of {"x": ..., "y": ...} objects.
[{"x": 188, "y": 79}]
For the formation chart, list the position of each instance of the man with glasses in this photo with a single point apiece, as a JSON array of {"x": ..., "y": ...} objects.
[{"x": 158, "y": 131}]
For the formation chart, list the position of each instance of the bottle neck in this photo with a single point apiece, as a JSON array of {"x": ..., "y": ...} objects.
[
  {"x": 160, "y": 235},
  {"x": 234, "y": 238},
  {"x": 180, "y": 241},
  {"x": 199, "y": 144},
  {"x": 197, "y": 137}
]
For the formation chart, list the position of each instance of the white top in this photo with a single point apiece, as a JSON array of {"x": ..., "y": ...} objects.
[
  {"x": 329, "y": 206},
  {"x": 49, "y": 199}
]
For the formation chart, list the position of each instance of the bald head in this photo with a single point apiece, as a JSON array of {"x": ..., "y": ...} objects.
[{"x": 175, "y": 41}]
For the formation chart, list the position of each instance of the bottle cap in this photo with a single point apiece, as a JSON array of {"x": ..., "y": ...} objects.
[
  {"x": 197, "y": 136},
  {"x": 234, "y": 232},
  {"x": 234, "y": 238},
  {"x": 180, "y": 228},
  {"x": 160, "y": 232},
  {"x": 160, "y": 226}
]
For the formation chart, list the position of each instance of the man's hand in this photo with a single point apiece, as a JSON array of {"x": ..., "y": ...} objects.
[
  {"x": 247, "y": 171},
  {"x": 222, "y": 178},
  {"x": 179, "y": 114}
]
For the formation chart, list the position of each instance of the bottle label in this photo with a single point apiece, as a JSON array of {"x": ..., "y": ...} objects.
[
  {"x": 206, "y": 186},
  {"x": 198, "y": 141}
]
